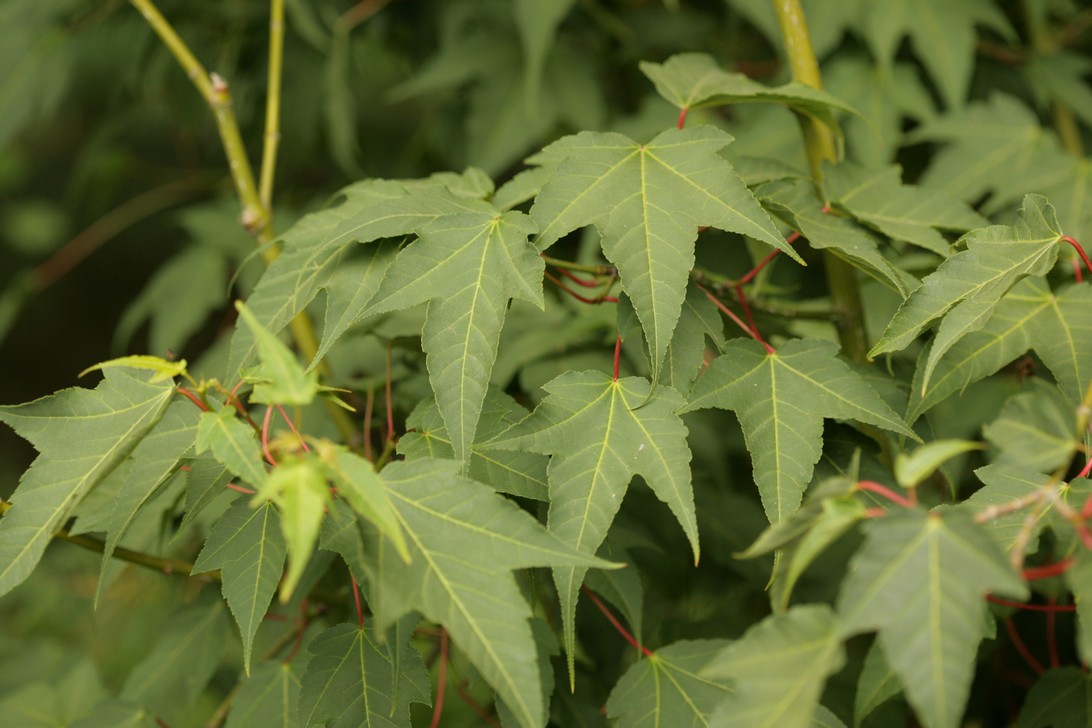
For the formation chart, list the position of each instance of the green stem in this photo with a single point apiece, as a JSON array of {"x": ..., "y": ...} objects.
[
  {"x": 845, "y": 292},
  {"x": 256, "y": 215},
  {"x": 272, "y": 105}
]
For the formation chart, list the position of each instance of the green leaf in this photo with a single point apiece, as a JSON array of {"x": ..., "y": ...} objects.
[
  {"x": 647, "y": 201},
  {"x": 267, "y": 698},
  {"x": 366, "y": 493},
  {"x": 778, "y": 669},
  {"x": 601, "y": 433},
  {"x": 782, "y": 533},
  {"x": 279, "y": 379},
  {"x": 355, "y": 680},
  {"x": 55, "y": 703},
  {"x": 1058, "y": 327},
  {"x": 694, "y": 81},
  {"x": 797, "y": 203},
  {"x": 517, "y": 472},
  {"x": 877, "y": 684},
  {"x": 666, "y": 687},
  {"x": 919, "y": 580},
  {"x": 880, "y": 200},
  {"x": 781, "y": 400},
  {"x": 315, "y": 247},
  {"x": 1079, "y": 580},
  {"x": 966, "y": 288},
  {"x": 232, "y": 443},
  {"x": 1034, "y": 430},
  {"x": 155, "y": 459},
  {"x": 469, "y": 589},
  {"x": 1004, "y": 485},
  {"x": 164, "y": 370},
  {"x": 1060, "y": 699},
  {"x": 298, "y": 488},
  {"x": 942, "y": 33},
  {"x": 912, "y": 468},
  {"x": 469, "y": 267},
  {"x": 181, "y": 662},
  {"x": 82, "y": 435},
  {"x": 247, "y": 546}
]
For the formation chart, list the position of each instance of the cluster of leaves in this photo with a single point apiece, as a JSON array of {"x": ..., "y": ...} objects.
[{"x": 428, "y": 508}]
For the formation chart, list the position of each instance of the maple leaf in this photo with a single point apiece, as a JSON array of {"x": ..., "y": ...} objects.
[
  {"x": 1030, "y": 316},
  {"x": 316, "y": 248},
  {"x": 966, "y": 288},
  {"x": 666, "y": 688},
  {"x": 1062, "y": 698},
  {"x": 469, "y": 267},
  {"x": 247, "y": 547},
  {"x": 82, "y": 435},
  {"x": 919, "y": 580},
  {"x": 781, "y": 399},
  {"x": 602, "y": 432},
  {"x": 470, "y": 590},
  {"x": 879, "y": 199},
  {"x": 777, "y": 669},
  {"x": 647, "y": 201},
  {"x": 353, "y": 679},
  {"x": 1002, "y": 485},
  {"x": 797, "y": 203},
  {"x": 695, "y": 81}
]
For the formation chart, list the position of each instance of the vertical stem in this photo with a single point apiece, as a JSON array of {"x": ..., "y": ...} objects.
[
  {"x": 272, "y": 105},
  {"x": 845, "y": 293},
  {"x": 256, "y": 217}
]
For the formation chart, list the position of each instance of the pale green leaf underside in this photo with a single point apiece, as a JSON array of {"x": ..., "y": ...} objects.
[
  {"x": 232, "y": 443},
  {"x": 778, "y": 669},
  {"x": 666, "y": 689},
  {"x": 601, "y": 433},
  {"x": 647, "y": 201},
  {"x": 966, "y": 288},
  {"x": 469, "y": 267},
  {"x": 247, "y": 546},
  {"x": 781, "y": 400},
  {"x": 919, "y": 580},
  {"x": 82, "y": 435}
]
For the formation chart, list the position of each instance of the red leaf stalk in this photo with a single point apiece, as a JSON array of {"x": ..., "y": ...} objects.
[
  {"x": 886, "y": 492},
  {"x": 1021, "y": 648},
  {"x": 615, "y": 623},
  {"x": 438, "y": 710}
]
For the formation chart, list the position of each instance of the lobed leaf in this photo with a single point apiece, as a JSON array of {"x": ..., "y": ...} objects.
[
  {"x": 353, "y": 679},
  {"x": 601, "y": 433},
  {"x": 247, "y": 547},
  {"x": 267, "y": 698},
  {"x": 778, "y": 669},
  {"x": 668, "y": 687},
  {"x": 781, "y": 400},
  {"x": 469, "y": 267},
  {"x": 694, "y": 81},
  {"x": 918, "y": 579},
  {"x": 82, "y": 435},
  {"x": 966, "y": 288},
  {"x": 647, "y": 201}
]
